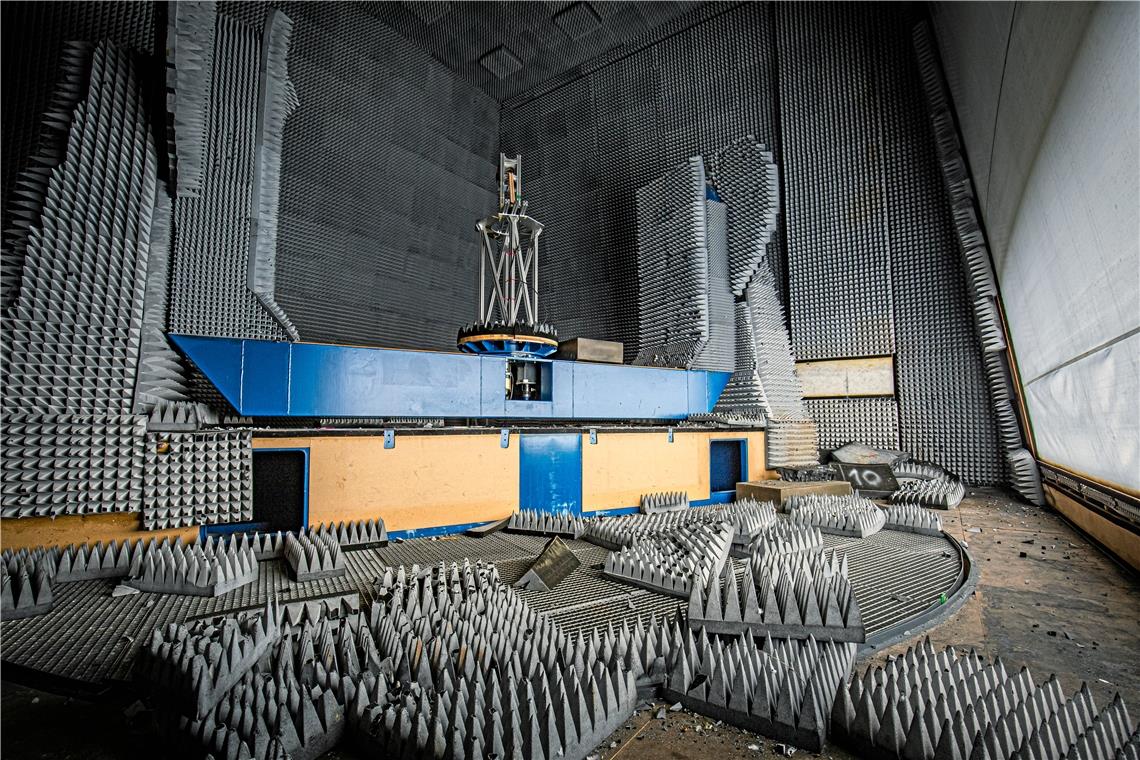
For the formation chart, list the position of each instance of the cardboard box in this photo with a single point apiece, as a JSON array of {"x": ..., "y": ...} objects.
[{"x": 591, "y": 350}]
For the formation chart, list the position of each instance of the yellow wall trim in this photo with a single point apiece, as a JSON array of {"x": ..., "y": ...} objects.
[
  {"x": 1120, "y": 541},
  {"x": 28, "y": 532}
]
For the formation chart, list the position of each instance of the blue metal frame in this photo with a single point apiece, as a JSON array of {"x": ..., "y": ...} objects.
[
  {"x": 439, "y": 530},
  {"x": 743, "y": 462},
  {"x": 276, "y": 379}
]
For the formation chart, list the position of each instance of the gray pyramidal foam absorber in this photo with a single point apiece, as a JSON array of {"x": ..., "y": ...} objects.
[
  {"x": 785, "y": 537},
  {"x": 190, "y": 68},
  {"x": 25, "y": 587},
  {"x": 214, "y": 227},
  {"x": 75, "y": 324},
  {"x": 784, "y": 595},
  {"x": 545, "y": 523},
  {"x": 783, "y": 690},
  {"x": 654, "y": 503},
  {"x": 673, "y": 267},
  {"x": 913, "y": 518},
  {"x": 1025, "y": 477},
  {"x": 747, "y": 179},
  {"x": 672, "y": 564},
  {"x": 29, "y": 193},
  {"x": 928, "y": 704},
  {"x": 313, "y": 557},
  {"x": 199, "y": 478},
  {"x": 193, "y": 667},
  {"x": 837, "y": 515},
  {"x": 498, "y": 678},
  {"x": 209, "y": 569},
  {"x": 277, "y": 99},
  {"x": 944, "y": 492}
]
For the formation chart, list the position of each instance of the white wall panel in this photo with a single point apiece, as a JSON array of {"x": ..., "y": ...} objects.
[{"x": 1085, "y": 414}]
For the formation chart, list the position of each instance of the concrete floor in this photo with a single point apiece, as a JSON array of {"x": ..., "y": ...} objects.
[{"x": 1063, "y": 608}]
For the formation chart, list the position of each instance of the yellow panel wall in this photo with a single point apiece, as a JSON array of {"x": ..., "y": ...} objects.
[
  {"x": 620, "y": 467},
  {"x": 425, "y": 481}
]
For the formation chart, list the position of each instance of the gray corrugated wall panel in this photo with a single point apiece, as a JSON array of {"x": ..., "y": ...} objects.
[
  {"x": 945, "y": 411},
  {"x": 686, "y": 95},
  {"x": 836, "y": 212},
  {"x": 387, "y": 163}
]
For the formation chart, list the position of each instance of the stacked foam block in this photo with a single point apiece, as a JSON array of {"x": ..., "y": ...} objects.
[
  {"x": 25, "y": 587},
  {"x": 74, "y": 325},
  {"x": 747, "y": 179},
  {"x": 910, "y": 518},
  {"x": 743, "y": 397},
  {"x": 673, "y": 564},
  {"x": 719, "y": 352},
  {"x": 980, "y": 279},
  {"x": 929, "y": 704},
  {"x": 764, "y": 383},
  {"x": 277, "y": 99},
  {"x": 190, "y": 61},
  {"x": 787, "y": 596},
  {"x": 673, "y": 267},
  {"x": 210, "y": 569},
  {"x": 671, "y": 501},
  {"x": 837, "y": 515},
  {"x": 313, "y": 556},
  {"x": 783, "y": 690},
  {"x": 209, "y": 293},
  {"x": 545, "y": 523}
]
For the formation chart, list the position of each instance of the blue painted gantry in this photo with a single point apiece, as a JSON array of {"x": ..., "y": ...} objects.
[{"x": 276, "y": 379}]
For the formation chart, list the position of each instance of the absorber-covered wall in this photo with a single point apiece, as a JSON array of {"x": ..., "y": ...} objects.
[
  {"x": 866, "y": 259},
  {"x": 589, "y": 144},
  {"x": 284, "y": 171}
]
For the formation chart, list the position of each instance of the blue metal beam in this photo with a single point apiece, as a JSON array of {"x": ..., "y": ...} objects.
[{"x": 270, "y": 379}]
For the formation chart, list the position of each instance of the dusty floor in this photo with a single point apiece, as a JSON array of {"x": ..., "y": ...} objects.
[{"x": 1062, "y": 608}]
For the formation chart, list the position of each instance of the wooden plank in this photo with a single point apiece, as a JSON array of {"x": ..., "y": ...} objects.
[
  {"x": 841, "y": 378},
  {"x": 780, "y": 491}
]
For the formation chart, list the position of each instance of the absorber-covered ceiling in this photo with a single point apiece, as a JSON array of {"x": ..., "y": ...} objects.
[{"x": 508, "y": 48}]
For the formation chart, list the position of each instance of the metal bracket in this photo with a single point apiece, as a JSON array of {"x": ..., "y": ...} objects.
[
  {"x": 389, "y": 439},
  {"x": 504, "y": 438},
  {"x": 593, "y": 435},
  {"x": 670, "y": 435}
]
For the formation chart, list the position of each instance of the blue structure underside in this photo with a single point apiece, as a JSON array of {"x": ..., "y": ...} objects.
[{"x": 276, "y": 379}]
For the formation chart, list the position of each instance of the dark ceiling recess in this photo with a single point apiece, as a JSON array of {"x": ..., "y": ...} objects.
[
  {"x": 501, "y": 62},
  {"x": 578, "y": 20},
  {"x": 508, "y": 49}
]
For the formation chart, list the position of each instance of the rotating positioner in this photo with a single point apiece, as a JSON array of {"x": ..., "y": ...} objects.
[{"x": 508, "y": 322}]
